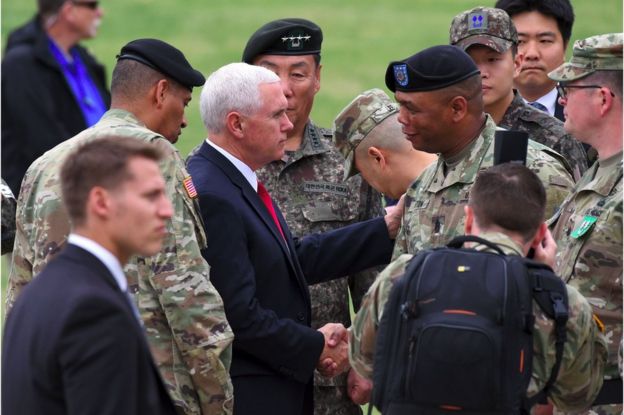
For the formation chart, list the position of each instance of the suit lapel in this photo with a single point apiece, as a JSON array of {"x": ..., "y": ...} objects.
[
  {"x": 100, "y": 271},
  {"x": 250, "y": 195}
]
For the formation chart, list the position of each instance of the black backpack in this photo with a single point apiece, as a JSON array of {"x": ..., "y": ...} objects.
[{"x": 456, "y": 333}]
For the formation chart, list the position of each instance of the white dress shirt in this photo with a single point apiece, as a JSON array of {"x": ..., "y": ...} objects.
[
  {"x": 104, "y": 255},
  {"x": 549, "y": 100},
  {"x": 245, "y": 170}
]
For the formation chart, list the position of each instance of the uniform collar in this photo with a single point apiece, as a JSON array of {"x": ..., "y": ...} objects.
[
  {"x": 604, "y": 175},
  {"x": 311, "y": 144},
  {"x": 467, "y": 168},
  {"x": 508, "y": 245}
]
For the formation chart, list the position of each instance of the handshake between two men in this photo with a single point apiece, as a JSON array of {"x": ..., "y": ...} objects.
[{"x": 334, "y": 360}]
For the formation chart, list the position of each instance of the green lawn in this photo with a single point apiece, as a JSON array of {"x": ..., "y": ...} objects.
[{"x": 361, "y": 37}]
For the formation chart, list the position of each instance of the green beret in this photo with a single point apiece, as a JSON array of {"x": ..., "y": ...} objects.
[
  {"x": 433, "y": 68},
  {"x": 284, "y": 37},
  {"x": 163, "y": 58}
]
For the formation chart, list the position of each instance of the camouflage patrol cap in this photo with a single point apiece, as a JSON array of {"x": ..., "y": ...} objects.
[
  {"x": 356, "y": 120},
  {"x": 290, "y": 36},
  {"x": 483, "y": 26},
  {"x": 596, "y": 53}
]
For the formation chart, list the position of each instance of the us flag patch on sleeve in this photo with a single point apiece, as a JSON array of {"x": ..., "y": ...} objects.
[{"x": 190, "y": 187}]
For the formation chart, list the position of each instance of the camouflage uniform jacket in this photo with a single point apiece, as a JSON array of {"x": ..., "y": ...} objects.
[
  {"x": 584, "y": 355},
  {"x": 8, "y": 217},
  {"x": 434, "y": 203},
  {"x": 308, "y": 188},
  {"x": 183, "y": 314},
  {"x": 588, "y": 232},
  {"x": 546, "y": 130}
]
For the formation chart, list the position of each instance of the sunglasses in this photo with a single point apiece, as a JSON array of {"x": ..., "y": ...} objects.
[
  {"x": 88, "y": 4},
  {"x": 562, "y": 89}
]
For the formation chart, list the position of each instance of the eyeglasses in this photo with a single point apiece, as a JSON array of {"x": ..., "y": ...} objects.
[
  {"x": 562, "y": 89},
  {"x": 88, "y": 4}
]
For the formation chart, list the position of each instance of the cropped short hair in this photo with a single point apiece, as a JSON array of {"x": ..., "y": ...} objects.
[
  {"x": 233, "y": 87},
  {"x": 102, "y": 162},
  {"x": 560, "y": 10},
  {"x": 509, "y": 196}
]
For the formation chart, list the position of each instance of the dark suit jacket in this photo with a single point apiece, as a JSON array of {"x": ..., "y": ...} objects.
[
  {"x": 263, "y": 281},
  {"x": 559, "y": 110},
  {"x": 72, "y": 345}
]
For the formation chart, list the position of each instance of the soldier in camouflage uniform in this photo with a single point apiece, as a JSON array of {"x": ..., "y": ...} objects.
[
  {"x": 182, "y": 312},
  {"x": 8, "y": 217},
  {"x": 307, "y": 183},
  {"x": 369, "y": 137},
  {"x": 441, "y": 110},
  {"x": 584, "y": 354},
  {"x": 490, "y": 38},
  {"x": 588, "y": 226}
]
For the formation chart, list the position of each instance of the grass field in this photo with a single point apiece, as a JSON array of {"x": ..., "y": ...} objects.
[{"x": 360, "y": 37}]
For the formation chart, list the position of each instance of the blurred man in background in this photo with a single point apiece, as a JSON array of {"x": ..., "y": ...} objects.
[{"x": 52, "y": 88}]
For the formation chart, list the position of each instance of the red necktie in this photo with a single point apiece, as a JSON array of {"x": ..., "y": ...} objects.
[{"x": 266, "y": 199}]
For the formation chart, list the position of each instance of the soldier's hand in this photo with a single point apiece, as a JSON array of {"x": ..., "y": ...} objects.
[
  {"x": 358, "y": 388},
  {"x": 393, "y": 217},
  {"x": 546, "y": 251},
  {"x": 335, "y": 357},
  {"x": 543, "y": 409}
]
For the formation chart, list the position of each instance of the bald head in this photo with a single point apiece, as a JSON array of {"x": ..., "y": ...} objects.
[{"x": 387, "y": 160}]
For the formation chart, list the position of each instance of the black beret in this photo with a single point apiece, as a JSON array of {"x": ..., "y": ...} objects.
[
  {"x": 430, "y": 69},
  {"x": 284, "y": 37},
  {"x": 163, "y": 58}
]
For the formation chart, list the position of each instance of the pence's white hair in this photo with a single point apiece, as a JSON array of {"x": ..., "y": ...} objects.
[{"x": 233, "y": 87}]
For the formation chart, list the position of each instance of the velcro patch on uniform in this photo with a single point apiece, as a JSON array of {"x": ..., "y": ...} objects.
[
  {"x": 189, "y": 187},
  {"x": 326, "y": 187},
  {"x": 586, "y": 224}
]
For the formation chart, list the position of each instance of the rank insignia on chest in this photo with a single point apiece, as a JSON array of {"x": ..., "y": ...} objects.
[
  {"x": 190, "y": 187},
  {"x": 585, "y": 225}
]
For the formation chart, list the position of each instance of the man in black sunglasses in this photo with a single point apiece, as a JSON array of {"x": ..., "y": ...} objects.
[
  {"x": 52, "y": 88},
  {"x": 588, "y": 226}
]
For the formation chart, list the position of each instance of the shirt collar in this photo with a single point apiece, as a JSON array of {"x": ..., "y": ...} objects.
[
  {"x": 549, "y": 100},
  {"x": 104, "y": 255},
  {"x": 245, "y": 170}
]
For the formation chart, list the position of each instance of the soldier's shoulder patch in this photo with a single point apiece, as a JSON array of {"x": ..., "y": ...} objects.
[{"x": 189, "y": 187}]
